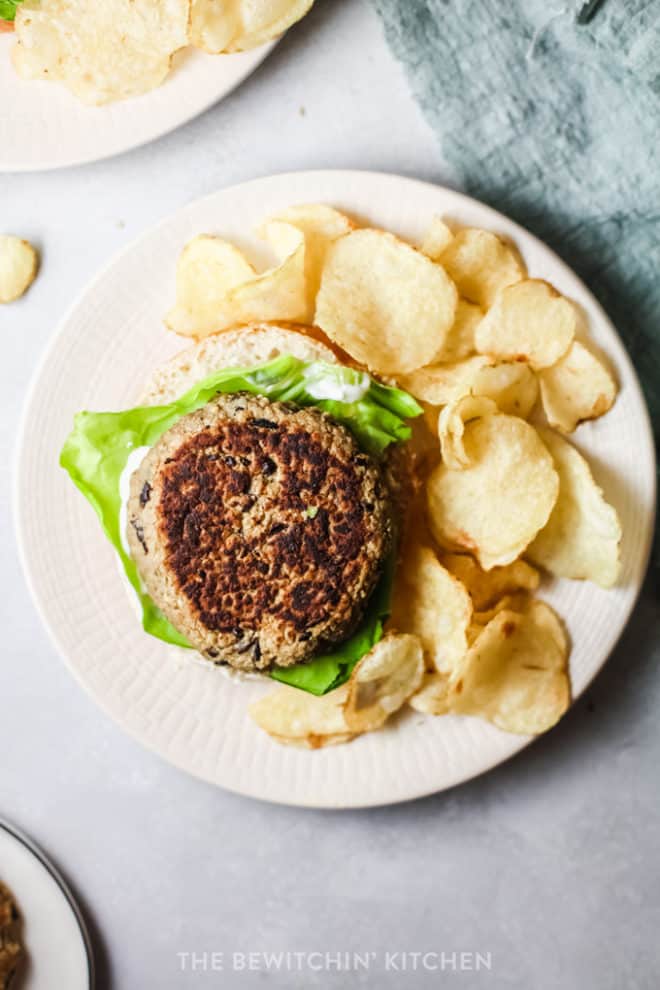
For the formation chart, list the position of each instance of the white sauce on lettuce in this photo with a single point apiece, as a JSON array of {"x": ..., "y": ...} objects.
[
  {"x": 133, "y": 462},
  {"x": 339, "y": 391}
]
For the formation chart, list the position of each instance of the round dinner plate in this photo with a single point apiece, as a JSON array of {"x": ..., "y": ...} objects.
[
  {"x": 54, "y": 934},
  {"x": 43, "y": 126},
  {"x": 193, "y": 714}
]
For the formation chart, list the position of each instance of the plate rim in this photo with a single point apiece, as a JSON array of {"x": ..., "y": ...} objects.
[
  {"x": 415, "y": 792},
  {"x": 253, "y": 58},
  {"x": 24, "y": 840}
]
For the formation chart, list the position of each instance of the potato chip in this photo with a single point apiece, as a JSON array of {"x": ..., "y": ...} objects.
[
  {"x": 529, "y": 321},
  {"x": 516, "y": 602},
  {"x": 217, "y": 288},
  {"x": 582, "y": 537},
  {"x": 431, "y": 604},
  {"x": 295, "y": 717},
  {"x": 264, "y": 20},
  {"x": 382, "y": 682},
  {"x": 486, "y": 588},
  {"x": 515, "y": 673},
  {"x": 442, "y": 383},
  {"x": 207, "y": 269},
  {"x": 481, "y": 264},
  {"x": 511, "y": 385},
  {"x": 100, "y": 51},
  {"x": 460, "y": 342},
  {"x": 215, "y": 24},
  {"x": 321, "y": 225},
  {"x": 576, "y": 388},
  {"x": 432, "y": 697},
  {"x": 437, "y": 238},
  {"x": 18, "y": 267},
  {"x": 451, "y": 427},
  {"x": 495, "y": 507},
  {"x": 385, "y": 303}
]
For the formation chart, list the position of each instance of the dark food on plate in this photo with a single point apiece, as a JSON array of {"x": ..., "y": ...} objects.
[
  {"x": 259, "y": 529},
  {"x": 11, "y": 946}
]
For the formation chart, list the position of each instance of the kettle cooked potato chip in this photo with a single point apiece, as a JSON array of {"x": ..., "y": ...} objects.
[
  {"x": 18, "y": 267},
  {"x": 515, "y": 672},
  {"x": 296, "y": 718},
  {"x": 578, "y": 387},
  {"x": 481, "y": 264},
  {"x": 529, "y": 321},
  {"x": 383, "y": 681},
  {"x": 495, "y": 507},
  {"x": 583, "y": 534},
  {"x": 385, "y": 303}
]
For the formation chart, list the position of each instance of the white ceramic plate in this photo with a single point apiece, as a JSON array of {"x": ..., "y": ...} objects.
[
  {"x": 194, "y": 715},
  {"x": 55, "y": 937},
  {"x": 43, "y": 126}
]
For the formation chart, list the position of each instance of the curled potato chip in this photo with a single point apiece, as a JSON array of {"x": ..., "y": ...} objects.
[
  {"x": 382, "y": 682},
  {"x": 515, "y": 672},
  {"x": 432, "y": 697},
  {"x": 576, "y": 388},
  {"x": 486, "y": 588},
  {"x": 451, "y": 427},
  {"x": 264, "y": 20},
  {"x": 442, "y": 383},
  {"x": 214, "y": 24},
  {"x": 217, "y": 288},
  {"x": 320, "y": 225},
  {"x": 297, "y": 718},
  {"x": 18, "y": 267},
  {"x": 385, "y": 303},
  {"x": 100, "y": 51},
  {"x": 513, "y": 386},
  {"x": 437, "y": 239},
  {"x": 207, "y": 269},
  {"x": 460, "y": 342},
  {"x": 431, "y": 604},
  {"x": 516, "y": 602},
  {"x": 481, "y": 264},
  {"x": 495, "y": 507},
  {"x": 582, "y": 537},
  {"x": 529, "y": 321}
]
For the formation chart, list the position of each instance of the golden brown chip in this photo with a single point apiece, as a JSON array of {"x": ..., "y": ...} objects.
[
  {"x": 582, "y": 538},
  {"x": 576, "y": 388},
  {"x": 264, "y": 20},
  {"x": 217, "y": 288},
  {"x": 382, "y": 682},
  {"x": 515, "y": 674},
  {"x": 481, "y": 264},
  {"x": 529, "y": 321},
  {"x": 495, "y": 507},
  {"x": 431, "y": 604},
  {"x": 100, "y": 51},
  {"x": 451, "y": 427},
  {"x": 385, "y": 303},
  {"x": 297, "y": 718},
  {"x": 18, "y": 267},
  {"x": 437, "y": 239},
  {"x": 513, "y": 386},
  {"x": 432, "y": 697},
  {"x": 321, "y": 226},
  {"x": 486, "y": 588},
  {"x": 460, "y": 342},
  {"x": 215, "y": 24}
]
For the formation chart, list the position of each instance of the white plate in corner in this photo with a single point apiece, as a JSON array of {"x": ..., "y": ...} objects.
[
  {"x": 43, "y": 126},
  {"x": 193, "y": 715},
  {"x": 54, "y": 935}
]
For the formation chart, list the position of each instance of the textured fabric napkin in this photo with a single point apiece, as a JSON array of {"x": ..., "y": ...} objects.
[{"x": 556, "y": 124}]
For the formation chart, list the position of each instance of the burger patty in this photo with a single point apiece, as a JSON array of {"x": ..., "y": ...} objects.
[{"x": 259, "y": 529}]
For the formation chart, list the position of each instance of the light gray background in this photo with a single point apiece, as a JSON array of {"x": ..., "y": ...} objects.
[{"x": 549, "y": 863}]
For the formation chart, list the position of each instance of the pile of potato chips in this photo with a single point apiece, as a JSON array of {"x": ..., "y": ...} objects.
[
  {"x": 501, "y": 365},
  {"x": 110, "y": 51}
]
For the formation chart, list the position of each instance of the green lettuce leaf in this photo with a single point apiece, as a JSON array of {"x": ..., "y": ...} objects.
[
  {"x": 8, "y": 9},
  {"x": 97, "y": 450}
]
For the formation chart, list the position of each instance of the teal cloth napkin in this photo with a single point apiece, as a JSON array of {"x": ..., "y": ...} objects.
[{"x": 556, "y": 124}]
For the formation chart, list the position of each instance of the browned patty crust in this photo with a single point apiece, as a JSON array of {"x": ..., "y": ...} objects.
[
  {"x": 11, "y": 947},
  {"x": 259, "y": 529}
]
